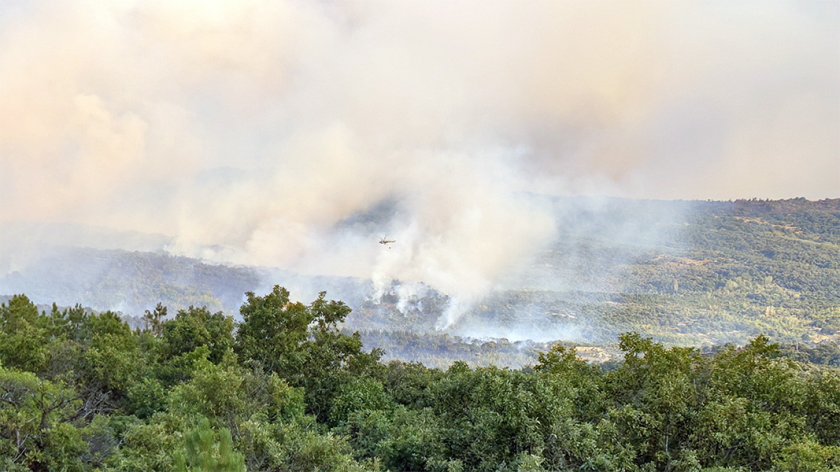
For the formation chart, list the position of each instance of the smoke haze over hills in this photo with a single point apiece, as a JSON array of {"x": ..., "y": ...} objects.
[{"x": 262, "y": 132}]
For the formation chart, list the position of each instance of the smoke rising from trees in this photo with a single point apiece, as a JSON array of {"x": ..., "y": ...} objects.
[{"x": 251, "y": 132}]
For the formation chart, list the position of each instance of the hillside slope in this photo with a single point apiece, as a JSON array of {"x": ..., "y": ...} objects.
[{"x": 685, "y": 273}]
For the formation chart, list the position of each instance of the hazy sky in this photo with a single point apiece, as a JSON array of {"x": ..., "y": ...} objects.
[{"x": 245, "y": 129}]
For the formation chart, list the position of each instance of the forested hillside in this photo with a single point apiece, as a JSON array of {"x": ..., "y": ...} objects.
[
  {"x": 686, "y": 273},
  {"x": 286, "y": 390},
  {"x": 125, "y": 281}
]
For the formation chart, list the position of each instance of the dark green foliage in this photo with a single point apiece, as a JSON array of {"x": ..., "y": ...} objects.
[
  {"x": 36, "y": 423},
  {"x": 272, "y": 332},
  {"x": 295, "y": 340},
  {"x": 289, "y": 391},
  {"x": 23, "y": 336},
  {"x": 193, "y": 328},
  {"x": 206, "y": 449}
]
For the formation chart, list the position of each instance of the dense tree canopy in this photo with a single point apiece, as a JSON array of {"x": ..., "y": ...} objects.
[{"x": 286, "y": 390}]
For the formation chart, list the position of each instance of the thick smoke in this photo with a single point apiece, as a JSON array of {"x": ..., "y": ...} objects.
[{"x": 251, "y": 131}]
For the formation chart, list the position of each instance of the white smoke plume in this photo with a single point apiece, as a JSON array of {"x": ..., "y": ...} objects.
[{"x": 247, "y": 131}]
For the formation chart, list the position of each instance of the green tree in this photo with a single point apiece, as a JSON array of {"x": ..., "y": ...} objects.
[
  {"x": 656, "y": 393},
  {"x": 196, "y": 327},
  {"x": 273, "y": 332},
  {"x": 153, "y": 320},
  {"x": 358, "y": 395},
  {"x": 206, "y": 449},
  {"x": 112, "y": 360},
  {"x": 303, "y": 344},
  {"x": 36, "y": 423},
  {"x": 24, "y": 340}
]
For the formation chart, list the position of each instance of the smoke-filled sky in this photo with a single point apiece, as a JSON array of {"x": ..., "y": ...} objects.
[{"x": 247, "y": 130}]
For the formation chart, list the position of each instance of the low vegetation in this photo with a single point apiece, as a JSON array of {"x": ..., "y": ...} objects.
[{"x": 286, "y": 389}]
